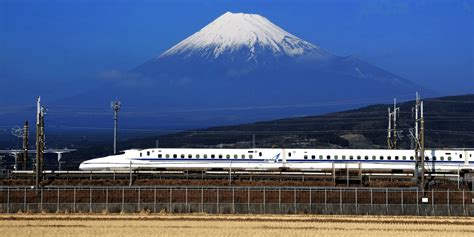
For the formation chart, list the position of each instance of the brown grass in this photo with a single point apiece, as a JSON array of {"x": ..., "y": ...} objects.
[{"x": 230, "y": 225}]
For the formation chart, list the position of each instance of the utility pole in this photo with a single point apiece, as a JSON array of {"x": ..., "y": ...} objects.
[
  {"x": 25, "y": 145},
  {"x": 39, "y": 141},
  {"x": 420, "y": 143},
  {"x": 116, "y": 107},
  {"x": 392, "y": 118}
]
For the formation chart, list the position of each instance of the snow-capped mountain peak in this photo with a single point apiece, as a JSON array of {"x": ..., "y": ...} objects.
[{"x": 232, "y": 32}]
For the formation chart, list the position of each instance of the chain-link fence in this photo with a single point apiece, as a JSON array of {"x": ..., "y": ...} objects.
[{"x": 259, "y": 200}]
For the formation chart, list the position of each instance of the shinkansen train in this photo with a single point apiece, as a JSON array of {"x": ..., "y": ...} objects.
[{"x": 436, "y": 160}]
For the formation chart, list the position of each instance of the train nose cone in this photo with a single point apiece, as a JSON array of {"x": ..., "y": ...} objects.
[{"x": 83, "y": 166}]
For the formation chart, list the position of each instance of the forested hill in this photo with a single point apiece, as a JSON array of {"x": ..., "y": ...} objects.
[{"x": 449, "y": 123}]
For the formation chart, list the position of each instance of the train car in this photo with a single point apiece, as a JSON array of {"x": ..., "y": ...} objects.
[{"x": 436, "y": 160}]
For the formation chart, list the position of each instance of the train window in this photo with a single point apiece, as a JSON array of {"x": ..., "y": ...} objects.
[
  {"x": 320, "y": 157},
  {"x": 366, "y": 157},
  {"x": 182, "y": 155},
  {"x": 159, "y": 155},
  {"x": 434, "y": 158},
  {"x": 205, "y": 156},
  {"x": 389, "y": 157},
  {"x": 227, "y": 156},
  {"x": 374, "y": 157},
  {"x": 250, "y": 156},
  {"x": 343, "y": 157},
  {"x": 335, "y": 157},
  {"x": 449, "y": 157},
  {"x": 148, "y": 153},
  {"x": 213, "y": 156},
  {"x": 412, "y": 158},
  {"x": 197, "y": 156},
  {"x": 243, "y": 156},
  {"x": 358, "y": 157},
  {"x": 289, "y": 154},
  {"x": 404, "y": 157},
  {"x": 167, "y": 155},
  {"x": 220, "y": 156},
  {"x": 427, "y": 158},
  {"x": 236, "y": 156},
  {"x": 351, "y": 157},
  {"x": 305, "y": 157},
  {"x": 175, "y": 156},
  {"x": 313, "y": 157},
  {"x": 460, "y": 156},
  {"x": 396, "y": 157},
  {"x": 190, "y": 156},
  {"x": 140, "y": 154},
  {"x": 381, "y": 157},
  {"x": 442, "y": 157},
  {"x": 328, "y": 157},
  {"x": 260, "y": 154}
]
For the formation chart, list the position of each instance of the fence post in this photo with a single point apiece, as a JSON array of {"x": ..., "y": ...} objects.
[
  {"x": 449, "y": 209},
  {"x": 186, "y": 199},
  {"x": 74, "y": 201},
  {"x": 233, "y": 200},
  {"x": 294, "y": 199},
  {"x": 401, "y": 201},
  {"x": 24, "y": 200},
  {"x": 171, "y": 198},
  {"x": 263, "y": 200},
  {"x": 217, "y": 203},
  {"x": 340, "y": 201},
  {"x": 386, "y": 200},
  {"x": 90, "y": 199},
  {"x": 8, "y": 200},
  {"x": 371, "y": 200},
  {"x": 248, "y": 200},
  {"x": 417, "y": 200},
  {"x": 310, "y": 202},
  {"x": 432, "y": 202},
  {"x": 202, "y": 199},
  {"x": 279, "y": 199},
  {"x": 41, "y": 199},
  {"x": 154, "y": 200},
  {"x": 325, "y": 201},
  {"x": 123, "y": 199},
  {"x": 138, "y": 201},
  {"x": 357, "y": 207},
  {"x": 107, "y": 199},
  {"x": 463, "y": 203},
  {"x": 57, "y": 202}
]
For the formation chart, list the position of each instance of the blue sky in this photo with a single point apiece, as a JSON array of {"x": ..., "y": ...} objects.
[{"x": 61, "y": 47}]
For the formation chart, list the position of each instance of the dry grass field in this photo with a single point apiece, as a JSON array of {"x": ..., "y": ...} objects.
[{"x": 230, "y": 225}]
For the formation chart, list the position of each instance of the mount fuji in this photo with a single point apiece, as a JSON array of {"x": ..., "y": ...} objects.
[{"x": 248, "y": 69}]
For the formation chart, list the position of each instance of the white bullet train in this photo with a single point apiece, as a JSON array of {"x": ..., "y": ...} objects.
[{"x": 436, "y": 160}]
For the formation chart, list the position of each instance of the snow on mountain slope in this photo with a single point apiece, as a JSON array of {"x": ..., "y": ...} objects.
[{"x": 232, "y": 32}]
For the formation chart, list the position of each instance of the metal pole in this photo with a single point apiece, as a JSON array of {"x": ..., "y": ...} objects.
[
  {"x": 310, "y": 202},
  {"x": 386, "y": 199},
  {"x": 116, "y": 107},
  {"x": 325, "y": 200},
  {"x": 186, "y": 198},
  {"x": 402, "y": 201},
  {"x": 202, "y": 199},
  {"x": 356, "y": 206},
  {"x": 417, "y": 201}
]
